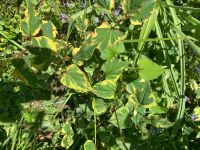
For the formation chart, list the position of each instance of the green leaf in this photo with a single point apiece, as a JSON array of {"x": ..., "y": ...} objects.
[
  {"x": 42, "y": 50},
  {"x": 156, "y": 109},
  {"x": 89, "y": 145},
  {"x": 123, "y": 118},
  {"x": 67, "y": 140},
  {"x": 146, "y": 28},
  {"x": 100, "y": 106},
  {"x": 75, "y": 79},
  {"x": 141, "y": 93},
  {"x": 26, "y": 75},
  {"x": 148, "y": 69},
  {"x": 105, "y": 89},
  {"x": 197, "y": 113},
  {"x": 30, "y": 116},
  {"x": 138, "y": 115},
  {"x": 198, "y": 93},
  {"x": 44, "y": 42},
  {"x": 108, "y": 4},
  {"x": 112, "y": 51},
  {"x": 85, "y": 52},
  {"x": 49, "y": 30},
  {"x": 105, "y": 36},
  {"x": 159, "y": 122},
  {"x": 32, "y": 22},
  {"x": 139, "y": 9},
  {"x": 113, "y": 69},
  {"x": 198, "y": 135}
]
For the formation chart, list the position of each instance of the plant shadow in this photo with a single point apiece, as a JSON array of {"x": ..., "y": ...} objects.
[{"x": 13, "y": 94}]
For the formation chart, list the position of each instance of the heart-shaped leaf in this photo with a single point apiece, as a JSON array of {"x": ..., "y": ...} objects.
[
  {"x": 148, "y": 69},
  {"x": 32, "y": 22},
  {"x": 113, "y": 69},
  {"x": 105, "y": 89},
  {"x": 75, "y": 79}
]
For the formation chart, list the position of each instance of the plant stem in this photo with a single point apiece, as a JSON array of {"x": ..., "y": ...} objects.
[
  {"x": 120, "y": 131},
  {"x": 95, "y": 124}
]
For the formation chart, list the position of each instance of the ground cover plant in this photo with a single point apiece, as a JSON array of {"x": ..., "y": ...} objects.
[{"x": 99, "y": 74}]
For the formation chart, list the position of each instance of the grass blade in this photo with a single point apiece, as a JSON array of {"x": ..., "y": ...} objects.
[
  {"x": 181, "y": 105},
  {"x": 145, "y": 31}
]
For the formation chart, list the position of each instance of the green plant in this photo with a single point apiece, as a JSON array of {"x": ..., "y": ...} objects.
[{"x": 124, "y": 73}]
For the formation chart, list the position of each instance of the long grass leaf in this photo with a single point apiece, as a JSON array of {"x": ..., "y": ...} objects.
[
  {"x": 187, "y": 40},
  {"x": 181, "y": 106}
]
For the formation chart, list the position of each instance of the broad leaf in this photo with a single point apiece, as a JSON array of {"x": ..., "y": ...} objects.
[
  {"x": 148, "y": 69},
  {"x": 105, "y": 36},
  {"x": 26, "y": 75},
  {"x": 67, "y": 140},
  {"x": 75, "y": 79},
  {"x": 85, "y": 52},
  {"x": 49, "y": 30},
  {"x": 105, "y": 89},
  {"x": 138, "y": 115},
  {"x": 196, "y": 114},
  {"x": 138, "y": 9},
  {"x": 123, "y": 118},
  {"x": 42, "y": 50},
  {"x": 197, "y": 93},
  {"x": 156, "y": 109},
  {"x": 44, "y": 42},
  {"x": 112, "y": 51},
  {"x": 108, "y": 4},
  {"x": 32, "y": 22},
  {"x": 159, "y": 122},
  {"x": 100, "y": 106},
  {"x": 113, "y": 69},
  {"x": 89, "y": 145},
  {"x": 141, "y": 93}
]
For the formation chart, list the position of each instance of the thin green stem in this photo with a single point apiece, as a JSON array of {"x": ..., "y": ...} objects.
[
  {"x": 62, "y": 105},
  {"x": 120, "y": 131},
  {"x": 153, "y": 40},
  {"x": 95, "y": 123}
]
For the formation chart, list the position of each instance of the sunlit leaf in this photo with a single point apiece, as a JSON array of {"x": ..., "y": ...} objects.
[
  {"x": 105, "y": 36},
  {"x": 105, "y": 89},
  {"x": 49, "y": 30},
  {"x": 67, "y": 140},
  {"x": 197, "y": 113},
  {"x": 148, "y": 69},
  {"x": 138, "y": 114},
  {"x": 89, "y": 145},
  {"x": 108, "y": 4},
  {"x": 159, "y": 122},
  {"x": 32, "y": 22},
  {"x": 75, "y": 79},
  {"x": 123, "y": 118},
  {"x": 44, "y": 42},
  {"x": 138, "y": 9},
  {"x": 42, "y": 50},
  {"x": 141, "y": 93},
  {"x": 156, "y": 109},
  {"x": 198, "y": 93},
  {"x": 100, "y": 106},
  {"x": 113, "y": 69},
  {"x": 85, "y": 52},
  {"x": 112, "y": 51}
]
